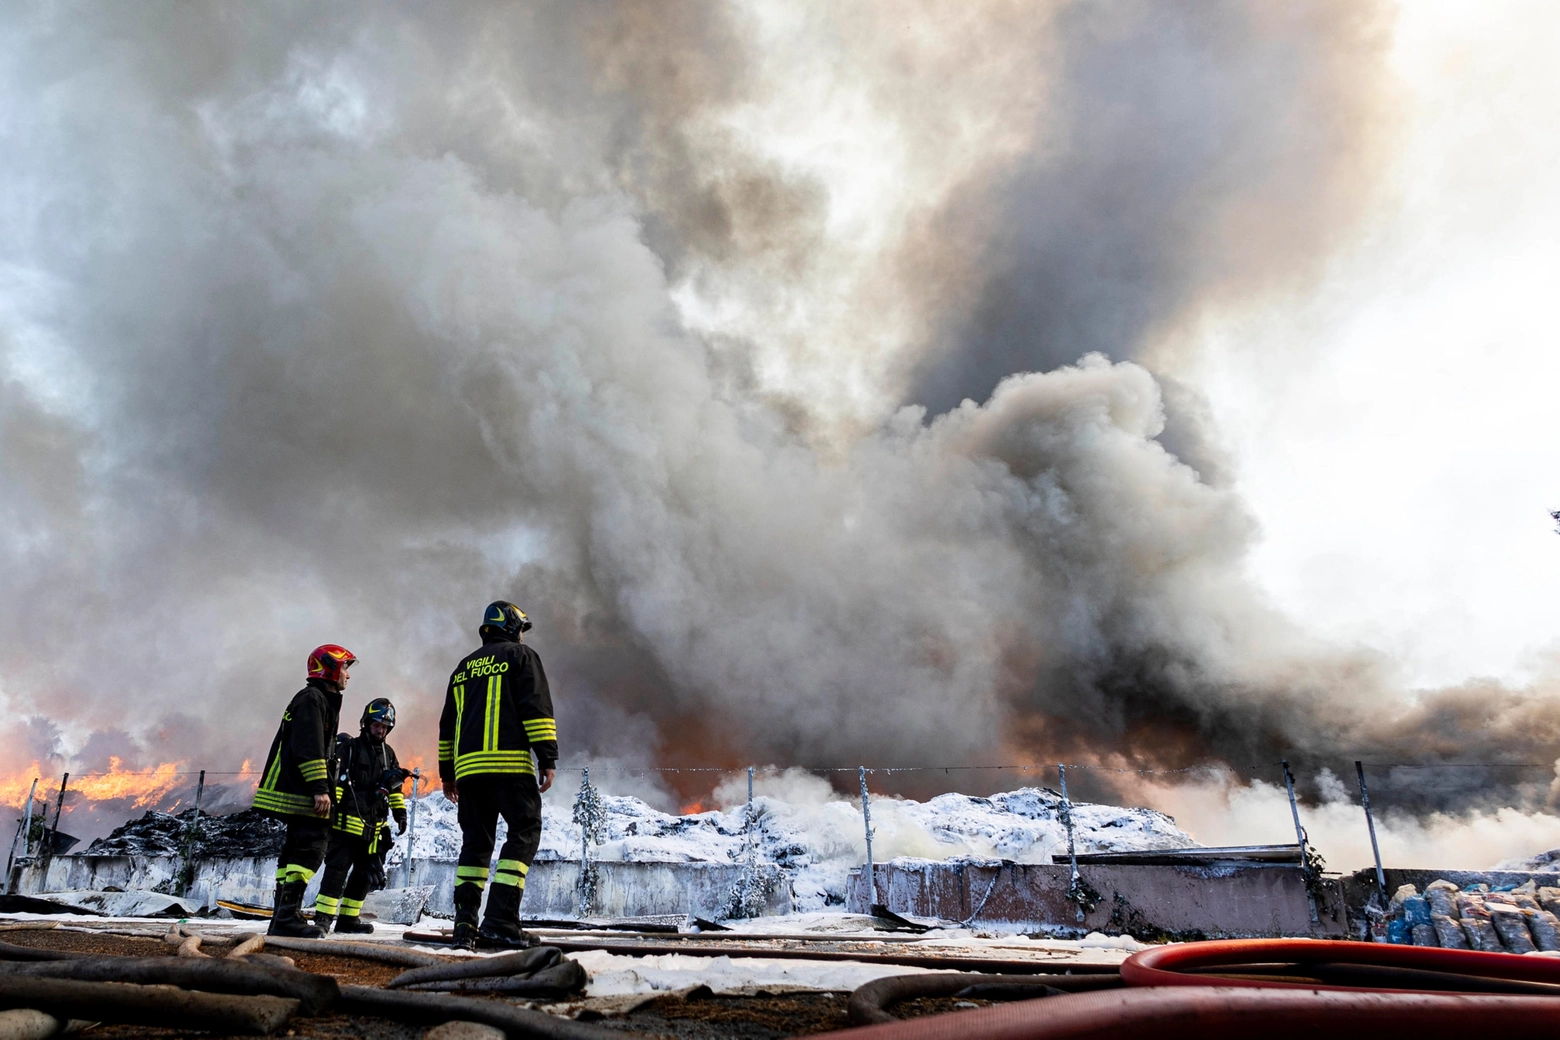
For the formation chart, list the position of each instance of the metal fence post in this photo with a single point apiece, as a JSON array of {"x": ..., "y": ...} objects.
[
  {"x": 866, "y": 818},
  {"x": 1072, "y": 849},
  {"x": 1300, "y": 836},
  {"x": 187, "y": 868},
  {"x": 1370, "y": 821},
  {"x": 50, "y": 835},
  {"x": 411, "y": 826},
  {"x": 13, "y": 867}
]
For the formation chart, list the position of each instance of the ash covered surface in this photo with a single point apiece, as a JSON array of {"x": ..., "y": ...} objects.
[{"x": 246, "y": 833}]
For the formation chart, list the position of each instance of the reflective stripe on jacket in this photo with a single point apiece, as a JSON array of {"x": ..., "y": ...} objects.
[
  {"x": 497, "y": 711},
  {"x": 298, "y": 766}
]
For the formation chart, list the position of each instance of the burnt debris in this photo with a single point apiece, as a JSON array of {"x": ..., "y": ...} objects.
[{"x": 246, "y": 833}]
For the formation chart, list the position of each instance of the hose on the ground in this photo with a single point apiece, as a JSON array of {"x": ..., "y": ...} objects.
[
  {"x": 314, "y": 993},
  {"x": 521, "y": 963},
  {"x": 123, "y": 1002},
  {"x": 381, "y": 952},
  {"x": 1232, "y": 1013},
  {"x": 869, "y": 1003},
  {"x": 1375, "y": 965},
  {"x": 436, "y": 1008}
]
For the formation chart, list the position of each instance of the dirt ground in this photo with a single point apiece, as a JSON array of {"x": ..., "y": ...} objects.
[{"x": 671, "y": 1018}]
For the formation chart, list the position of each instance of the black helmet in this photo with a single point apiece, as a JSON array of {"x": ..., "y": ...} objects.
[
  {"x": 504, "y": 618},
  {"x": 379, "y": 710}
]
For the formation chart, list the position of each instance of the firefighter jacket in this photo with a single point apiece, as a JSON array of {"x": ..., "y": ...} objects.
[
  {"x": 362, "y": 802},
  {"x": 299, "y": 766},
  {"x": 497, "y": 711}
]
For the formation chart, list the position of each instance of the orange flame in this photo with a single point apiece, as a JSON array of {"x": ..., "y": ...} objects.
[
  {"x": 142, "y": 788},
  {"x": 693, "y": 808}
]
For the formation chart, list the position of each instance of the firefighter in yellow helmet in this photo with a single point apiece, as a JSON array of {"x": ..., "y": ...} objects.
[{"x": 498, "y": 714}]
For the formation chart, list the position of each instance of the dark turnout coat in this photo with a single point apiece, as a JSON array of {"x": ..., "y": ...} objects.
[
  {"x": 497, "y": 711},
  {"x": 361, "y": 807},
  {"x": 299, "y": 765}
]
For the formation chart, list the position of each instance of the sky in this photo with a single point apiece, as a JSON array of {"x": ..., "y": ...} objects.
[{"x": 1145, "y": 386}]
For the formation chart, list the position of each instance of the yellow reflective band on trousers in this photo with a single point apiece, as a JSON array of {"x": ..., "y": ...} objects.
[
  {"x": 294, "y": 872},
  {"x": 324, "y": 904},
  {"x": 510, "y": 872},
  {"x": 495, "y": 701},
  {"x": 351, "y": 907},
  {"x": 471, "y": 876}
]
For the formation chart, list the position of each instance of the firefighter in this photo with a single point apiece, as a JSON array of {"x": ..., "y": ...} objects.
[
  {"x": 368, "y": 790},
  {"x": 295, "y": 786},
  {"x": 497, "y": 714}
]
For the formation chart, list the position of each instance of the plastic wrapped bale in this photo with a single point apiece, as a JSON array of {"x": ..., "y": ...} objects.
[
  {"x": 1549, "y": 899},
  {"x": 1476, "y": 923},
  {"x": 1416, "y": 914},
  {"x": 1510, "y": 922},
  {"x": 1448, "y": 932},
  {"x": 1398, "y": 926},
  {"x": 1544, "y": 925},
  {"x": 1442, "y": 895}
]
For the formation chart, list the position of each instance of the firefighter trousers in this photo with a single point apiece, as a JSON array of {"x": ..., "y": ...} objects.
[
  {"x": 350, "y": 873},
  {"x": 303, "y": 850},
  {"x": 483, "y": 799}
]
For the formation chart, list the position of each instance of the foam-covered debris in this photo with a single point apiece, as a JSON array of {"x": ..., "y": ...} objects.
[{"x": 818, "y": 838}]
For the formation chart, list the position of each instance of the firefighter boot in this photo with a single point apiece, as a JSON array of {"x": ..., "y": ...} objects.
[
  {"x": 285, "y": 919},
  {"x": 352, "y": 923},
  {"x": 468, "y": 901},
  {"x": 323, "y": 922},
  {"x": 501, "y": 924}
]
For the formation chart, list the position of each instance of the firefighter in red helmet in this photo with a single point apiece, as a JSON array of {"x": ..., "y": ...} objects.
[{"x": 296, "y": 784}]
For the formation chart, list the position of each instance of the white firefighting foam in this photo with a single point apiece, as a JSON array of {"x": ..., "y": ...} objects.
[{"x": 818, "y": 841}]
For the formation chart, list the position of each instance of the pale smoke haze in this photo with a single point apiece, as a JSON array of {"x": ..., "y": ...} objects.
[{"x": 330, "y": 324}]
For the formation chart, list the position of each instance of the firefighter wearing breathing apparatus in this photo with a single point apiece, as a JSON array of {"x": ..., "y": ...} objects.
[
  {"x": 368, "y": 792},
  {"x": 295, "y": 785},
  {"x": 497, "y": 714}
]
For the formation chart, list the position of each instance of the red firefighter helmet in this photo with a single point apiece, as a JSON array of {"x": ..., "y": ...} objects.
[{"x": 326, "y": 662}]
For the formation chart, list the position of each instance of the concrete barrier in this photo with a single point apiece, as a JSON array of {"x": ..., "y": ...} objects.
[
  {"x": 622, "y": 889},
  {"x": 1218, "y": 901}
]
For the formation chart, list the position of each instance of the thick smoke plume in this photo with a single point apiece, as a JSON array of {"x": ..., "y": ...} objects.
[{"x": 332, "y": 324}]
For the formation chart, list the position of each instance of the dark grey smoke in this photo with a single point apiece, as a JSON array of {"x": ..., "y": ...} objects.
[
  {"x": 333, "y": 324},
  {"x": 1191, "y": 154}
]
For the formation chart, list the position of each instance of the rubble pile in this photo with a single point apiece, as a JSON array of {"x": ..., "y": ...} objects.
[
  {"x": 1519, "y": 919},
  {"x": 240, "y": 834}
]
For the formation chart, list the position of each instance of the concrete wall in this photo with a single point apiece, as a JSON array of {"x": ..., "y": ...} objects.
[
  {"x": 1225, "y": 901},
  {"x": 623, "y": 889}
]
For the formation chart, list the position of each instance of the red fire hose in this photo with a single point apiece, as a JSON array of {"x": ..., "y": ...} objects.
[
  {"x": 1216, "y": 1013},
  {"x": 1311, "y": 989},
  {"x": 1174, "y": 965}
]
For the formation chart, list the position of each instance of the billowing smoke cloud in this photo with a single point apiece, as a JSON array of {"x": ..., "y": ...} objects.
[{"x": 320, "y": 324}]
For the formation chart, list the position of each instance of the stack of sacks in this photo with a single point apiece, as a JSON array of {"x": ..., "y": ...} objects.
[{"x": 1521, "y": 920}]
